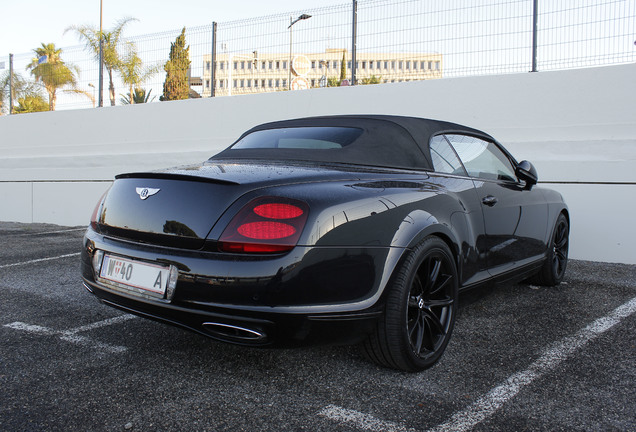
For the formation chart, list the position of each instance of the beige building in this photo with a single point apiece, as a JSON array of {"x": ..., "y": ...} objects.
[{"x": 257, "y": 73}]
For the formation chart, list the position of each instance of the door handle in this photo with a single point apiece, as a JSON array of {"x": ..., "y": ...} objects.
[{"x": 489, "y": 200}]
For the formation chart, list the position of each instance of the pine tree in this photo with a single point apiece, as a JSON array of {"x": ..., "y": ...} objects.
[
  {"x": 175, "y": 87},
  {"x": 343, "y": 67}
]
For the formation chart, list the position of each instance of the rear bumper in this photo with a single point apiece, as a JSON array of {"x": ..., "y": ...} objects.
[
  {"x": 245, "y": 327},
  {"x": 308, "y": 296}
]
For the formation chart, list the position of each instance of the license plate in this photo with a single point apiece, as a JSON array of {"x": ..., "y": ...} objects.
[{"x": 141, "y": 275}]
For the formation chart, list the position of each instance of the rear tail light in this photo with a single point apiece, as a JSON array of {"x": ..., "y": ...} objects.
[{"x": 265, "y": 225}]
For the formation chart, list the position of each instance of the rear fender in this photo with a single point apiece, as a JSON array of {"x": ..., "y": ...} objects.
[{"x": 418, "y": 225}]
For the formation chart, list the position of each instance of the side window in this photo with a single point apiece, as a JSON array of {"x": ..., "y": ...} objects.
[
  {"x": 482, "y": 158},
  {"x": 444, "y": 158}
]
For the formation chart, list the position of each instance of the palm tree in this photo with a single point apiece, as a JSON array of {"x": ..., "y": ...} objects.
[
  {"x": 112, "y": 60},
  {"x": 31, "y": 103},
  {"x": 139, "y": 96},
  {"x": 133, "y": 72},
  {"x": 53, "y": 73},
  {"x": 21, "y": 89}
]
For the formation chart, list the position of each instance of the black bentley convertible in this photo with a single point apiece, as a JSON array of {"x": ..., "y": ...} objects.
[{"x": 327, "y": 229}]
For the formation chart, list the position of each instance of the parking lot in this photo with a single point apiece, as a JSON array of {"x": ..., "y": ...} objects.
[{"x": 521, "y": 358}]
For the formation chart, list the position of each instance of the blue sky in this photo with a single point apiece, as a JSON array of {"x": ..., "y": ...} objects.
[{"x": 25, "y": 24}]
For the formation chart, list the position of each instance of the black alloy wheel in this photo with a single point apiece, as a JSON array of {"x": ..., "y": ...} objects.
[
  {"x": 420, "y": 310},
  {"x": 553, "y": 269}
]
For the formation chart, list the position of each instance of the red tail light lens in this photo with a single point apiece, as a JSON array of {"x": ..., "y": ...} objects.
[{"x": 265, "y": 225}]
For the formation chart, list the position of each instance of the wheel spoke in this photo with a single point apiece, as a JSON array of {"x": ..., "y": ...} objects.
[
  {"x": 434, "y": 322},
  {"x": 439, "y": 303},
  {"x": 442, "y": 286},
  {"x": 434, "y": 272},
  {"x": 416, "y": 333}
]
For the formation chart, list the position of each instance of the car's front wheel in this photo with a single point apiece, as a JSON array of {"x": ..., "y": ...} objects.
[
  {"x": 420, "y": 310},
  {"x": 556, "y": 262}
]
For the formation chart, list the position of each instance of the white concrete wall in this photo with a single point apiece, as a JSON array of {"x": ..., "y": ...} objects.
[{"x": 578, "y": 128}]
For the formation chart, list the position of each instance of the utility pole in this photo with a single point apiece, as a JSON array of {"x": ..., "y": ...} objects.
[
  {"x": 213, "y": 60},
  {"x": 101, "y": 58},
  {"x": 354, "y": 27},
  {"x": 10, "y": 84}
]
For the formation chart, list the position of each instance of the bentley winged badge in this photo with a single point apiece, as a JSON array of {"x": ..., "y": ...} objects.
[{"x": 145, "y": 192}]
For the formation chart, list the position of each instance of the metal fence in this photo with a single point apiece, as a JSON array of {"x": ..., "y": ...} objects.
[{"x": 378, "y": 41}]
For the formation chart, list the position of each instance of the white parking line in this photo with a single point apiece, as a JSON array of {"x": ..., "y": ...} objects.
[
  {"x": 40, "y": 260},
  {"x": 72, "y": 334},
  {"x": 491, "y": 402},
  {"x": 488, "y": 404},
  {"x": 361, "y": 420}
]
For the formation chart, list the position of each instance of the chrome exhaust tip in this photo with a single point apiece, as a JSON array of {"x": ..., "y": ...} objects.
[{"x": 234, "y": 333}]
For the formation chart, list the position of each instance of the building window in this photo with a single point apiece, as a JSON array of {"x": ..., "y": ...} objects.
[
  {"x": 415, "y": 65},
  {"x": 234, "y": 84},
  {"x": 249, "y": 83},
  {"x": 263, "y": 65},
  {"x": 335, "y": 64},
  {"x": 262, "y": 83},
  {"x": 423, "y": 65},
  {"x": 271, "y": 65},
  {"x": 277, "y": 83},
  {"x": 207, "y": 65},
  {"x": 278, "y": 65},
  {"x": 437, "y": 65},
  {"x": 349, "y": 64},
  {"x": 401, "y": 64},
  {"x": 393, "y": 65},
  {"x": 408, "y": 65},
  {"x": 255, "y": 83},
  {"x": 207, "y": 83},
  {"x": 270, "y": 83},
  {"x": 285, "y": 64},
  {"x": 364, "y": 65},
  {"x": 235, "y": 65},
  {"x": 221, "y": 65},
  {"x": 242, "y": 83},
  {"x": 371, "y": 64},
  {"x": 249, "y": 65},
  {"x": 430, "y": 65},
  {"x": 220, "y": 83},
  {"x": 313, "y": 83},
  {"x": 243, "y": 65},
  {"x": 284, "y": 83},
  {"x": 313, "y": 64},
  {"x": 386, "y": 64}
]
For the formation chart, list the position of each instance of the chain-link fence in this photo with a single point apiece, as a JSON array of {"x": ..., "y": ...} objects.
[{"x": 359, "y": 42}]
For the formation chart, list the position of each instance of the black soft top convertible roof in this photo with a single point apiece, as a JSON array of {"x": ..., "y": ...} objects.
[{"x": 385, "y": 141}]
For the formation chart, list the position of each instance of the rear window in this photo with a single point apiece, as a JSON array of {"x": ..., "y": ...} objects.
[{"x": 314, "y": 138}]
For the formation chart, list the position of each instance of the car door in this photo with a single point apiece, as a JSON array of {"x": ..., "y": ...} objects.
[
  {"x": 515, "y": 217},
  {"x": 470, "y": 221}
]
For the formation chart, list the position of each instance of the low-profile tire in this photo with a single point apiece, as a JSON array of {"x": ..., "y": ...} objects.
[
  {"x": 420, "y": 310},
  {"x": 553, "y": 269}
]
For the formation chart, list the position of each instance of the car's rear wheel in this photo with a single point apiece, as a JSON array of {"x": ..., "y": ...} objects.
[
  {"x": 553, "y": 269},
  {"x": 420, "y": 310}
]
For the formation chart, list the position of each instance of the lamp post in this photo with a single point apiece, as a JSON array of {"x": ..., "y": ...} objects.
[{"x": 291, "y": 23}]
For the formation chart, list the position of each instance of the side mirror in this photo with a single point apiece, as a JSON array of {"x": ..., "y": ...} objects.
[{"x": 527, "y": 172}]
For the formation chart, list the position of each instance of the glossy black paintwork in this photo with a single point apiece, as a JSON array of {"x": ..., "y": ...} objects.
[{"x": 362, "y": 221}]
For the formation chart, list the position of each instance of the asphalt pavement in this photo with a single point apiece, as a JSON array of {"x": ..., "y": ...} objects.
[{"x": 522, "y": 358}]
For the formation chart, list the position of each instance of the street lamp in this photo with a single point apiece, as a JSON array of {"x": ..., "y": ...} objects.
[{"x": 291, "y": 23}]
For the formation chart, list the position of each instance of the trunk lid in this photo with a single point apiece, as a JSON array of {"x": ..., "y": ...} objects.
[{"x": 179, "y": 207}]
